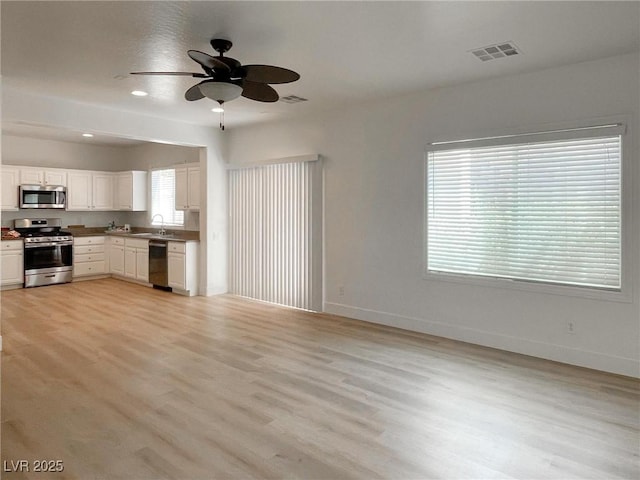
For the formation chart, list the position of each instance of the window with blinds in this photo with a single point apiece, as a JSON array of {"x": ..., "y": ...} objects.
[
  {"x": 541, "y": 207},
  {"x": 163, "y": 198},
  {"x": 275, "y": 233}
]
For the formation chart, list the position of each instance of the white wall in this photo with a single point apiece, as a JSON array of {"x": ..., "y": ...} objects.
[
  {"x": 374, "y": 210},
  {"x": 58, "y": 154},
  {"x": 154, "y": 155}
]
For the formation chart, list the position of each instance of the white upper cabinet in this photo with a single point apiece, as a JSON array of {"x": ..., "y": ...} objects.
[
  {"x": 130, "y": 192},
  {"x": 79, "y": 196},
  {"x": 188, "y": 187},
  {"x": 102, "y": 190},
  {"x": 10, "y": 184},
  {"x": 194, "y": 188},
  {"x": 55, "y": 177},
  {"x": 43, "y": 176},
  {"x": 88, "y": 190}
]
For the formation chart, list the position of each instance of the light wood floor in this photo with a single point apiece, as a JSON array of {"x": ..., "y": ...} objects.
[{"x": 122, "y": 381}]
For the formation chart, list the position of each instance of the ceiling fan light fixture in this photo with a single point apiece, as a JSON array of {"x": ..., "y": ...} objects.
[{"x": 220, "y": 91}]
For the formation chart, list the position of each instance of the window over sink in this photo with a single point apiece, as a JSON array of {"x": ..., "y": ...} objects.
[{"x": 163, "y": 198}]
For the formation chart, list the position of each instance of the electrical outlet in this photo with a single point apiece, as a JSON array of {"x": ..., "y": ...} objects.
[
  {"x": 571, "y": 327},
  {"x": 341, "y": 290}
]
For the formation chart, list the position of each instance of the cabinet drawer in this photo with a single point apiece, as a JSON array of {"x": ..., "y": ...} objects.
[
  {"x": 177, "y": 247},
  {"x": 12, "y": 245},
  {"x": 136, "y": 243},
  {"x": 83, "y": 249},
  {"x": 88, "y": 268},
  {"x": 88, "y": 241},
  {"x": 117, "y": 241},
  {"x": 88, "y": 257}
]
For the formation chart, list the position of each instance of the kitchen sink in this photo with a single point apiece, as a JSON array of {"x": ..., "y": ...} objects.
[{"x": 152, "y": 234}]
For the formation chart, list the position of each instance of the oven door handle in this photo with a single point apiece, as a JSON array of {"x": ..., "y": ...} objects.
[{"x": 47, "y": 244}]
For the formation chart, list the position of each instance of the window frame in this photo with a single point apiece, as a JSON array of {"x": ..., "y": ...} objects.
[
  {"x": 541, "y": 133},
  {"x": 150, "y": 213}
]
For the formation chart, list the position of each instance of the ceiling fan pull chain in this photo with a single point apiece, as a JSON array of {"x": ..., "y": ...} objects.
[{"x": 222, "y": 120}]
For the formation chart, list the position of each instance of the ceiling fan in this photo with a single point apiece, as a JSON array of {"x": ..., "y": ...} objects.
[{"x": 226, "y": 78}]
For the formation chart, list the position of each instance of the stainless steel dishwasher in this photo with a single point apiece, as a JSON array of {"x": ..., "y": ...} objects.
[{"x": 158, "y": 275}]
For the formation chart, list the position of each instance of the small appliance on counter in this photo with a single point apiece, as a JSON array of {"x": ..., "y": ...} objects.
[{"x": 48, "y": 251}]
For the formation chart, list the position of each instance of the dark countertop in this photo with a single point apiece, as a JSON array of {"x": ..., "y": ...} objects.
[{"x": 173, "y": 235}]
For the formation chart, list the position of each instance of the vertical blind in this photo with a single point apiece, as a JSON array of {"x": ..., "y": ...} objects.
[
  {"x": 546, "y": 211},
  {"x": 275, "y": 233},
  {"x": 163, "y": 197}
]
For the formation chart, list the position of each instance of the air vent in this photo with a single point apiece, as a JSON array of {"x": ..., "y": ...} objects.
[
  {"x": 499, "y": 50},
  {"x": 292, "y": 99}
]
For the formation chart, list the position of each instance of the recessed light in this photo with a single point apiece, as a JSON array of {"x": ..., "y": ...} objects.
[
  {"x": 217, "y": 109},
  {"x": 139, "y": 93},
  {"x": 88, "y": 135}
]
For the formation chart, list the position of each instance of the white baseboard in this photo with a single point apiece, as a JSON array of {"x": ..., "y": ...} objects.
[{"x": 558, "y": 353}]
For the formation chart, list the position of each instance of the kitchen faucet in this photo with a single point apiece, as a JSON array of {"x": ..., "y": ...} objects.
[{"x": 162, "y": 231}]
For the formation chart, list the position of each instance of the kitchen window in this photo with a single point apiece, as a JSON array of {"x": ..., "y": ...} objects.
[
  {"x": 542, "y": 207},
  {"x": 163, "y": 198}
]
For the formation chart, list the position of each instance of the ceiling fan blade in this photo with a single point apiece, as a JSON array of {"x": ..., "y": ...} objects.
[
  {"x": 268, "y": 74},
  {"x": 259, "y": 91},
  {"x": 208, "y": 61},
  {"x": 193, "y": 93},
  {"x": 232, "y": 63},
  {"x": 183, "y": 74}
]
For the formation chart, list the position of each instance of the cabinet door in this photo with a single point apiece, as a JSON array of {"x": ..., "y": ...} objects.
[
  {"x": 10, "y": 184},
  {"x": 176, "y": 267},
  {"x": 194, "y": 188},
  {"x": 79, "y": 191},
  {"x": 116, "y": 259},
  {"x": 31, "y": 176},
  {"x": 130, "y": 262},
  {"x": 124, "y": 191},
  {"x": 102, "y": 191},
  {"x": 12, "y": 267},
  {"x": 142, "y": 265},
  {"x": 55, "y": 177},
  {"x": 182, "y": 194}
]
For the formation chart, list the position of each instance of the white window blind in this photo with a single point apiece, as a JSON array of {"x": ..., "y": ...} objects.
[
  {"x": 275, "y": 244},
  {"x": 545, "y": 211},
  {"x": 163, "y": 197}
]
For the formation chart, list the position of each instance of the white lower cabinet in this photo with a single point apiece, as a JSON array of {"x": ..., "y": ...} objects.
[
  {"x": 116, "y": 256},
  {"x": 12, "y": 263},
  {"x": 89, "y": 256},
  {"x": 182, "y": 265},
  {"x": 136, "y": 259}
]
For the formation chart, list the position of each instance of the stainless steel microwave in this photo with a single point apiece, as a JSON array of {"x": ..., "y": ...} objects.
[{"x": 43, "y": 196}]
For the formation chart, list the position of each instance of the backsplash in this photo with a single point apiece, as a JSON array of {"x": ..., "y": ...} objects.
[
  {"x": 95, "y": 219},
  {"x": 89, "y": 219}
]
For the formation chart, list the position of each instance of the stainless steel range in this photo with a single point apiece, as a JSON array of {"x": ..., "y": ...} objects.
[{"x": 48, "y": 251}]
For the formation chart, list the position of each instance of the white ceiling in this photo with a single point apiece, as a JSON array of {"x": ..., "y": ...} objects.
[{"x": 346, "y": 52}]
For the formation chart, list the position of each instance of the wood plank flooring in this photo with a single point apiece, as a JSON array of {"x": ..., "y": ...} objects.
[{"x": 121, "y": 381}]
